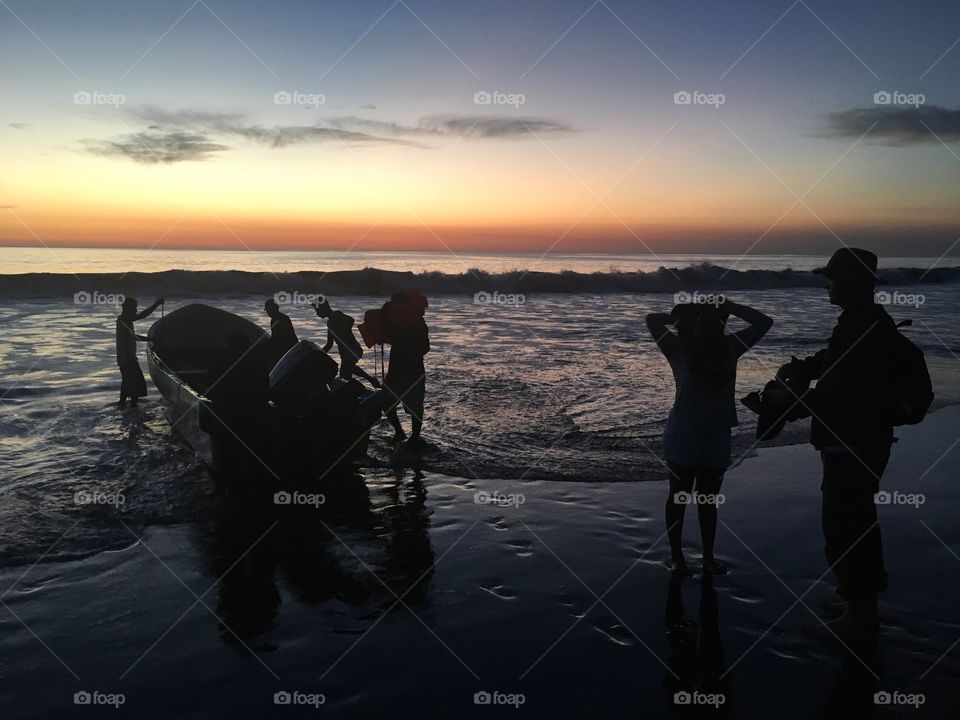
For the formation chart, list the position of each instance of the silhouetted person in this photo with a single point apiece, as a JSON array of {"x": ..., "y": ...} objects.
[
  {"x": 696, "y": 441},
  {"x": 282, "y": 335},
  {"x": 340, "y": 333},
  {"x": 238, "y": 387},
  {"x": 132, "y": 383},
  {"x": 405, "y": 381},
  {"x": 852, "y": 427}
]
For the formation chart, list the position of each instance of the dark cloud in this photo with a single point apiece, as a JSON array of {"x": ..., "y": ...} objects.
[
  {"x": 494, "y": 127},
  {"x": 897, "y": 125},
  {"x": 490, "y": 127},
  {"x": 283, "y": 136},
  {"x": 153, "y": 148},
  {"x": 20, "y": 125},
  {"x": 180, "y": 135}
]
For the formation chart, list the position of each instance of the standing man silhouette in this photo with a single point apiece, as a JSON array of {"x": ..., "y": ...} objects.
[{"x": 853, "y": 416}]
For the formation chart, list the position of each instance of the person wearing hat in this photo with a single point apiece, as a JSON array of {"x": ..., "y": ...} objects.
[
  {"x": 852, "y": 429},
  {"x": 132, "y": 383}
]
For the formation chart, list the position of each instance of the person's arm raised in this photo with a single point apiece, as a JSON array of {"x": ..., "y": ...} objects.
[
  {"x": 659, "y": 326},
  {"x": 759, "y": 324},
  {"x": 149, "y": 311}
]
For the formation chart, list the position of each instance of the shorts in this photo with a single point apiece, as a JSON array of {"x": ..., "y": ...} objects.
[
  {"x": 408, "y": 391},
  {"x": 706, "y": 446}
]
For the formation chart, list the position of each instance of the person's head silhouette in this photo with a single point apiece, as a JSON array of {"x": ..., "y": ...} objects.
[{"x": 851, "y": 275}]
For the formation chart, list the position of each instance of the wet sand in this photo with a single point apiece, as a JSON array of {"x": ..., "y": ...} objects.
[{"x": 404, "y": 597}]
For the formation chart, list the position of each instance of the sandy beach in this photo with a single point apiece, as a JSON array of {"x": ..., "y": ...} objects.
[{"x": 409, "y": 597}]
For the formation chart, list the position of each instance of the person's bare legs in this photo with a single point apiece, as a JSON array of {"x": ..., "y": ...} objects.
[
  {"x": 707, "y": 485},
  {"x": 681, "y": 481},
  {"x": 398, "y": 433}
]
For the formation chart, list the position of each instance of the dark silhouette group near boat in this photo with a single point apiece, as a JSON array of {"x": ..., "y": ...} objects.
[{"x": 248, "y": 398}]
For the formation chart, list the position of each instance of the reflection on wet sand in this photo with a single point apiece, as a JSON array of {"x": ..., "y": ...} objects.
[{"x": 367, "y": 547}]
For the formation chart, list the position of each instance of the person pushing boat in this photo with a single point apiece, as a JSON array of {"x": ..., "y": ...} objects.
[{"x": 132, "y": 383}]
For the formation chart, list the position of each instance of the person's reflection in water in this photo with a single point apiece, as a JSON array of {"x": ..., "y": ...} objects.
[
  {"x": 856, "y": 682},
  {"x": 253, "y": 538},
  {"x": 405, "y": 521},
  {"x": 244, "y": 561},
  {"x": 696, "y": 683}
]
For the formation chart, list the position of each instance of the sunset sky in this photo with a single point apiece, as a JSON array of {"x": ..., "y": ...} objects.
[{"x": 358, "y": 124}]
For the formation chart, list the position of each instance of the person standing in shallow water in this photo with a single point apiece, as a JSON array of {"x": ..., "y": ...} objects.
[
  {"x": 282, "y": 335},
  {"x": 696, "y": 441},
  {"x": 406, "y": 378},
  {"x": 132, "y": 383}
]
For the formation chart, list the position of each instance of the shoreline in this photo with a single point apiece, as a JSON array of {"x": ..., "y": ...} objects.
[{"x": 498, "y": 588}]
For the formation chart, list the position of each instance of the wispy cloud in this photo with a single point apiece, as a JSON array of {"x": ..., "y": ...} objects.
[
  {"x": 898, "y": 125},
  {"x": 155, "y": 148},
  {"x": 20, "y": 125},
  {"x": 182, "y": 135}
]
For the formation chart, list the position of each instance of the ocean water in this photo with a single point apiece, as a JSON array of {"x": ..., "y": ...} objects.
[{"x": 561, "y": 387}]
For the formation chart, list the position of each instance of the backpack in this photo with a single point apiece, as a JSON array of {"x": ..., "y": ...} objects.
[{"x": 912, "y": 390}]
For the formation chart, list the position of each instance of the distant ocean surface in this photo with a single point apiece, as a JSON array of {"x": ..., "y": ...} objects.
[
  {"x": 16, "y": 260},
  {"x": 566, "y": 385}
]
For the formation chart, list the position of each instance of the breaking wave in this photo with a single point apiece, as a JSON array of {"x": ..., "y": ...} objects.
[{"x": 371, "y": 281}]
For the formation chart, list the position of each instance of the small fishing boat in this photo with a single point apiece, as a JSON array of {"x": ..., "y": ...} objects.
[{"x": 297, "y": 423}]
